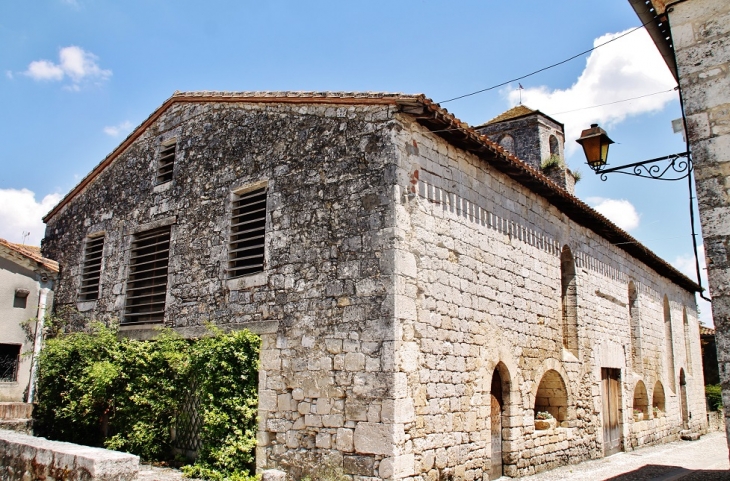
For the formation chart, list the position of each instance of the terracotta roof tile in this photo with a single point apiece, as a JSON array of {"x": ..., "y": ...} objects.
[
  {"x": 444, "y": 124},
  {"x": 32, "y": 253}
]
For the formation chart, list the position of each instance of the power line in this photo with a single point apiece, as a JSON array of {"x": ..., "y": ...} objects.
[
  {"x": 615, "y": 102},
  {"x": 548, "y": 67}
]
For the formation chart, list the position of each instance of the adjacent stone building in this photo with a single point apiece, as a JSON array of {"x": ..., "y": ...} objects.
[
  {"x": 693, "y": 36},
  {"x": 26, "y": 280},
  {"x": 430, "y": 306}
]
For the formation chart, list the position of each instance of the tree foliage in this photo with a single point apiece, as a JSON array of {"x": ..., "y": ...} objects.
[{"x": 99, "y": 389}]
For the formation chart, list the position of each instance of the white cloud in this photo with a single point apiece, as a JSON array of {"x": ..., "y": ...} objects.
[
  {"x": 686, "y": 264},
  {"x": 9, "y": 74},
  {"x": 626, "y": 68},
  {"x": 20, "y": 212},
  {"x": 115, "y": 130},
  {"x": 619, "y": 211},
  {"x": 75, "y": 63}
]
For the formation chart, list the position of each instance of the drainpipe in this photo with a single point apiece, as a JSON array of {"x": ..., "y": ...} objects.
[{"x": 38, "y": 341}]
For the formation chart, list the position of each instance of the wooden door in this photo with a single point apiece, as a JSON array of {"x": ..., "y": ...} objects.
[
  {"x": 496, "y": 425},
  {"x": 683, "y": 399},
  {"x": 611, "y": 391}
]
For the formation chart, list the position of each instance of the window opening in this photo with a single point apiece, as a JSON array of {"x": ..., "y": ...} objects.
[
  {"x": 91, "y": 270},
  {"x": 147, "y": 281},
  {"x": 9, "y": 361},
  {"x": 552, "y": 396},
  {"x": 669, "y": 343},
  {"x": 20, "y": 300},
  {"x": 635, "y": 326},
  {"x": 569, "y": 299},
  {"x": 641, "y": 400},
  {"x": 166, "y": 163},
  {"x": 508, "y": 143},
  {"x": 554, "y": 147},
  {"x": 657, "y": 399},
  {"x": 248, "y": 230},
  {"x": 687, "y": 340}
]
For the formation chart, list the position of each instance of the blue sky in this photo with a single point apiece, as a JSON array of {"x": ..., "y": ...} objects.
[{"x": 77, "y": 75}]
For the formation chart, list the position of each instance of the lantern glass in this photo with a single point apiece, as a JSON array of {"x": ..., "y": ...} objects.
[{"x": 595, "y": 144}]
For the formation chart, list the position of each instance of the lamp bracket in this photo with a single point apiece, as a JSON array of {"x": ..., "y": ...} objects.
[{"x": 678, "y": 167}]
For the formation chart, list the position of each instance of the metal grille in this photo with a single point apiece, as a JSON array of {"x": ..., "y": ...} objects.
[
  {"x": 248, "y": 228},
  {"x": 91, "y": 272},
  {"x": 9, "y": 360},
  {"x": 188, "y": 423},
  {"x": 166, "y": 163},
  {"x": 147, "y": 282}
]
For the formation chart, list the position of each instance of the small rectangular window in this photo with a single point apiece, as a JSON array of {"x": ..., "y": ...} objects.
[
  {"x": 91, "y": 270},
  {"x": 9, "y": 360},
  {"x": 166, "y": 163},
  {"x": 20, "y": 300},
  {"x": 147, "y": 281},
  {"x": 248, "y": 229}
]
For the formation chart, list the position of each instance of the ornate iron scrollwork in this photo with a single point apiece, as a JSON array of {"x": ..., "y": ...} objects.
[{"x": 678, "y": 167}]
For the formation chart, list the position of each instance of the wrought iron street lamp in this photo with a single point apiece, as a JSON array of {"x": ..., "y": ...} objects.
[{"x": 595, "y": 144}]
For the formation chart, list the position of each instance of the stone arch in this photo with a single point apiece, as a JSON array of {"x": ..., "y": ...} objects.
[
  {"x": 687, "y": 340},
  {"x": 511, "y": 380},
  {"x": 554, "y": 145},
  {"x": 569, "y": 300},
  {"x": 669, "y": 354},
  {"x": 508, "y": 143},
  {"x": 641, "y": 399},
  {"x": 658, "y": 399},
  {"x": 635, "y": 326},
  {"x": 552, "y": 396}
]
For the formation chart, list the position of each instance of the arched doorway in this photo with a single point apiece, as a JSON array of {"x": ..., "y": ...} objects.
[
  {"x": 499, "y": 395},
  {"x": 683, "y": 399}
]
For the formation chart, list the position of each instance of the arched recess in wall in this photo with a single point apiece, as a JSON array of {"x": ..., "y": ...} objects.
[
  {"x": 669, "y": 354},
  {"x": 641, "y": 399},
  {"x": 687, "y": 340},
  {"x": 554, "y": 146},
  {"x": 508, "y": 143},
  {"x": 635, "y": 326},
  {"x": 569, "y": 300},
  {"x": 552, "y": 396},
  {"x": 657, "y": 397}
]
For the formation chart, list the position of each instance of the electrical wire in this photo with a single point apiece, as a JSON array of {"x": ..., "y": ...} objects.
[
  {"x": 616, "y": 102},
  {"x": 548, "y": 67}
]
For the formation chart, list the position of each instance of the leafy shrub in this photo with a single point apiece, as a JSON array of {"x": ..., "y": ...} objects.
[
  {"x": 97, "y": 389},
  {"x": 713, "y": 393},
  {"x": 544, "y": 415}
]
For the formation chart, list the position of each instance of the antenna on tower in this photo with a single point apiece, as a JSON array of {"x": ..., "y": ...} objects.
[
  {"x": 521, "y": 88},
  {"x": 25, "y": 236}
]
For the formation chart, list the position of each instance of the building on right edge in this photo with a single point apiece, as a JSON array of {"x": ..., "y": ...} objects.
[{"x": 693, "y": 36}]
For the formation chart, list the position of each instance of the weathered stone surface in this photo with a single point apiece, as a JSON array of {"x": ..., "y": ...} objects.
[
  {"x": 401, "y": 273},
  {"x": 24, "y": 457}
]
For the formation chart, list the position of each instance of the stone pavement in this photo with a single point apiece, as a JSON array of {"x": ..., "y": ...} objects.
[{"x": 706, "y": 459}]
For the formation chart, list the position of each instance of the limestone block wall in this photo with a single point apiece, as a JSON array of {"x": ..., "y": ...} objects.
[
  {"x": 323, "y": 304},
  {"x": 479, "y": 289},
  {"x": 701, "y": 38}
]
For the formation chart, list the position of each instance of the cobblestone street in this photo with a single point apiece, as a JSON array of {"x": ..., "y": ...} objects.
[{"x": 706, "y": 459}]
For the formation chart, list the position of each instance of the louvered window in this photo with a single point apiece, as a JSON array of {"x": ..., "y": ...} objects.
[
  {"x": 165, "y": 164},
  {"x": 248, "y": 228},
  {"x": 147, "y": 281},
  {"x": 91, "y": 271}
]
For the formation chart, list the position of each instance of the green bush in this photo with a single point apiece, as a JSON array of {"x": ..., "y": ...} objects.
[
  {"x": 713, "y": 393},
  {"x": 97, "y": 389}
]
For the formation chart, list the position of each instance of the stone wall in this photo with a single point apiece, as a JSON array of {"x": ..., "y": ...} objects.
[
  {"x": 701, "y": 37},
  {"x": 400, "y": 273},
  {"x": 24, "y": 457},
  {"x": 479, "y": 290},
  {"x": 322, "y": 305}
]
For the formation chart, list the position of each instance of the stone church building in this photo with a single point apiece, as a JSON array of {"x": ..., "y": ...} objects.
[{"x": 430, "y": 306}]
